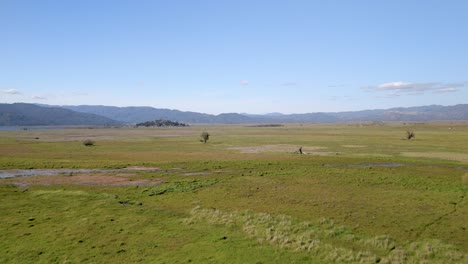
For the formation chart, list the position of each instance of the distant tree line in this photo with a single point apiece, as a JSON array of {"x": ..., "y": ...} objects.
[{"x": 161, "y": 123}]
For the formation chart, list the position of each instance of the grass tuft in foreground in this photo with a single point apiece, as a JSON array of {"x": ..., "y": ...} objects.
[{"x": 327, "y": 241}]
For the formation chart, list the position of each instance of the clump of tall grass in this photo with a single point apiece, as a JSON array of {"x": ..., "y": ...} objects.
[
  {"x": 427, "y": 251},
  {"x": 327, "y": 241},
  {"x": 212, "y": 216},
  {"x": 284, "y": 232},
  {"x": 381, "y": 242}
]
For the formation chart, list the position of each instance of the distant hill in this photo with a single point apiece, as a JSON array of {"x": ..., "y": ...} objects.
[
  {"x": 21, "y": 114},
  {"x": 139, "y": 114},
  {"x": 420, "y": 113},
  {"x": 134, "y": 115}
]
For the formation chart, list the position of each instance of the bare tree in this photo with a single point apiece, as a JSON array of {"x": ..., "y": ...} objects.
[{"x": 204, "y": 137}]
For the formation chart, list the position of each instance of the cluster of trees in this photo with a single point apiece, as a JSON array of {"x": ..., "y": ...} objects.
[
  {"x": 204, "y": 137},
  {"x": 161, "y": 123}
]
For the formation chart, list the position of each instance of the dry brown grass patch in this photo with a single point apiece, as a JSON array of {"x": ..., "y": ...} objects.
[
  {"x": 278, "y": 148},
  {"x": 354, "y": 146}
]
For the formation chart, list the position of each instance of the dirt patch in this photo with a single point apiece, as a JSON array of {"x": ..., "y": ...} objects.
[
  {"x": 372, "y": 155},
  {"x": 321, "y": 153},
  {"x": 98, "y": 179},
  {"x": 354, "y": 146},
  {"x": 384, "y": 165},
  {"x": 365, "y": 165},
  {"x": 52, "y": 172},
  {"x": 136, "y": 168},
  {"x": 438, "y": 155},
  {"x": 279, "y": 148},
  {"x": 101, "y": 177},
  {"x": 196, "y": 173}
]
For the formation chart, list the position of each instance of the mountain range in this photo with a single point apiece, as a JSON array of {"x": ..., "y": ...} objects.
[
  {"x": 22, "y": 114},
  {"x": 142, "y": 114}
]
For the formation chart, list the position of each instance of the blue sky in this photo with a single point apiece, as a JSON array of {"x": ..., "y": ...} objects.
[{"x": 235, "y": 56}]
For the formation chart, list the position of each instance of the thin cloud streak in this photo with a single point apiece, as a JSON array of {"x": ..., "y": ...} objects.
[
  {"x": 408, "y": 88},
  {"x": 447, "y": 90},
  {"x": 10, "y": 91}
]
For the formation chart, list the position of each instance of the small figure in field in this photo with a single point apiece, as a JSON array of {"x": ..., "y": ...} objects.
[
  {"x": 410, "y": 135},
  {"x": 300, "y": 150}
]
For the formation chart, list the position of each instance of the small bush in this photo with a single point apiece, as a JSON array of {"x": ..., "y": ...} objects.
[
  {"x": 204, "y": 137},
  {"x": 410, "y": 135},
  {"x": 88, "y": 143}
]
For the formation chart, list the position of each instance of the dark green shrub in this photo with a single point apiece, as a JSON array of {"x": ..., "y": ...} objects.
[{"x": 88, "y": 143}]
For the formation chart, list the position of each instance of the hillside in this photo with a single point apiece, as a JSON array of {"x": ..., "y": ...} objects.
[
  {"x": 21, "y": 114},
  {"x": 141, "y": 114},
  {"x": 135, "y": 114},
  {"x": 420, "y": 113}
]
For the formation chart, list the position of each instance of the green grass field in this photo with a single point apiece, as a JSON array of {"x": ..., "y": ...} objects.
[{"x": 362, "y": 193}]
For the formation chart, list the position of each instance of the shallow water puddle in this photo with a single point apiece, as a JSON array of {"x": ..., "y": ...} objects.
[{"x": 4, "y": 174}]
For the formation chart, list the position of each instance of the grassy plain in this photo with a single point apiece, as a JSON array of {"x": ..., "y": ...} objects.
[{"x": 361, "y": 193}]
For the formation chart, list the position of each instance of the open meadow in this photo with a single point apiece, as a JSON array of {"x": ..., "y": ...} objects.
[{"x": 360, "y": 193}]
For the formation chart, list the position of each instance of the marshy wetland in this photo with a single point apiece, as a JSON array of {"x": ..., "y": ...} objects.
[{"x": 360, "y": 193}]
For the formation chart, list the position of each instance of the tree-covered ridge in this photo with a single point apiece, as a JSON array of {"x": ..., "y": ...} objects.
[
  {"x": 22, "y": 114},
  {"x": 161, "y": 123}
]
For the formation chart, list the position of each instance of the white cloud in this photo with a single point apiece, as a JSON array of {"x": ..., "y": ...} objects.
[
  {"x": 38, "y": 97},
  {"x": 408, "y": 88},
  {"x": 243, "y": 82},
  {"x": 393, "y": 86},
  {"x": 11, "y": 91},
  {"x": 446, "y": 90}
]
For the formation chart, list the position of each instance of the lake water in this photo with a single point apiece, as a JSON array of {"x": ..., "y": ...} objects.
[{"x": 47, "y": 172}]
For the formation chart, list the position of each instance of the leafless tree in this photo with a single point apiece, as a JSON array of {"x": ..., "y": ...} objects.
[{"x": 410, "y": 135}]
